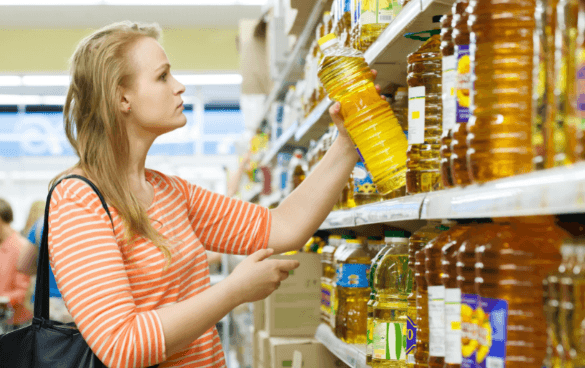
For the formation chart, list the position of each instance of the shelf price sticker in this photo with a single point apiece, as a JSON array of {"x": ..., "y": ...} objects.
[{"x": 416, "y": 115}]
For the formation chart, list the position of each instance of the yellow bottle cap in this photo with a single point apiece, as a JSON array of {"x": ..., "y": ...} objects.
[{"x": 326, "y": 38}]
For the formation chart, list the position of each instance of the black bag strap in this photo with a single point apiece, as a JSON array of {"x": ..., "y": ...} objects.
[{"x": 41, "y": 309}]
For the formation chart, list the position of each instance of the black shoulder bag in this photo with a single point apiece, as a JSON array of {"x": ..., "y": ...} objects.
[{"x": 46, "y": 343}]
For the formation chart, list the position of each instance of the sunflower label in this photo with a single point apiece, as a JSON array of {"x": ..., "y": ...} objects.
[
  {"x": 410, "y": 339},
  {"x": 469, "y": 304},
  {"x": 389, "y": 341},
  {"x": 463, "y": 83},
  {"x": 363, "y": 182},
  {"x": 492, "y": 319}
]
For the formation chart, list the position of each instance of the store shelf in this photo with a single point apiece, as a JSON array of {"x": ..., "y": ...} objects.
[
  {"x": 399, "y": 209},
  {"x": 352, "y": 355},
  {"x": 548, "y": 192},
  {"x": 292, "y": 70},
  {"x": 315, "y": 124},
  {"x": 283, "y": 140}
]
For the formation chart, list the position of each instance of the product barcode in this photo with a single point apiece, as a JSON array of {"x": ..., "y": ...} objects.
[
  {"x": 410, "y": 359},
  {"x": 385, "y": 18},
  {"x": 492, "y": 362}
]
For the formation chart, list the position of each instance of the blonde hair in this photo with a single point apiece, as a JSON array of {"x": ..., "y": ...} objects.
[
  {"x": 94, "y": 123},
  {"x": 37, "y": 210}
]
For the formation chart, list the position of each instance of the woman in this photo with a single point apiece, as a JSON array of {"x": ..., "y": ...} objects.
[{"x": 140, "y": 294}]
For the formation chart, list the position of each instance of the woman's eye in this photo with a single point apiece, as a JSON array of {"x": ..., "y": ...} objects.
[{"x": 164, "y": 77}]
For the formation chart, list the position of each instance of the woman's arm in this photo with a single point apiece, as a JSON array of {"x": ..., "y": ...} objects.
[{"x": 297, "y": 218}]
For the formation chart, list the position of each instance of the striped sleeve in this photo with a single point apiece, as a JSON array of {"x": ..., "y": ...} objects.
[
  {"x": 89, "y": 270},
  {"x": 227, "y": 225}
]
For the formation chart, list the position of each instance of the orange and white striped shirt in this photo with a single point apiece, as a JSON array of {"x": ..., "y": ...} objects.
[{"x": 111, "y": 288}]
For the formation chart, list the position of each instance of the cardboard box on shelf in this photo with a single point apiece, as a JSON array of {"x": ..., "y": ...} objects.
[
  {"x": 294, "y": 308},
  {"x": 313, "y": 353},
  {"x": 258, "y": 315},
  {"x": 254, "y": 63},
  {"x": 263, "y": 348}
]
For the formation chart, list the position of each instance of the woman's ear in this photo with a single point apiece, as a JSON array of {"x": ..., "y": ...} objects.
[{"x": 124, "y": 101}]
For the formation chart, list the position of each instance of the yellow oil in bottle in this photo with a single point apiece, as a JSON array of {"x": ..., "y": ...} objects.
[
  {"x": 577, "y": 94},
  {"x": 417, "y": 241},
  {"x": 459, "y": 170},
  {"x": 556, "y": 328},
  {"x": 448, "y": 97},
  {"x": 573, "y": 298},
  {"x": 510, "y": 269},
  {"x": 375, "y": 17},
  {"x": 328, "y": 275},
  {"x": 421, "y": 352},
  {"x": 335, "y": 290},
  {"x": 500, "y": 128},
  {"x": 368, "y": 119},
  {"x": 469, "y": 298},
  {"x": 425, "y": 115},
  {"x": 436, "y": 292},
  {"x": 400, "y": 108},
  {"x": 370, "y": 307},
  {"x": 393, "y": 280},
  {"x": 353, "y": 293}
]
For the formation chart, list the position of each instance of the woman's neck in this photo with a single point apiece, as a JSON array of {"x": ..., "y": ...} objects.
[{"x": 5, "y": 232}]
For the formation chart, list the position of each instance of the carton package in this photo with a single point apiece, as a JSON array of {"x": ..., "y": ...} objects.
[
  {"x": 294, "y": 308},
  {"x": 254, "y": 63},
  {"x": 263, "y": 347},
  {"x": 258, "y": 308},
  {"x": 313, "y": 353}
]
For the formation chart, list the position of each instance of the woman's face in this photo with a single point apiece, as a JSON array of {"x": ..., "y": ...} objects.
[{"x": 154, "y": 98}]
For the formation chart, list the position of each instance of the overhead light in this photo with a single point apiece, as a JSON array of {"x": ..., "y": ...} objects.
[
  {"x": 46, "y": 80},
  {"x": 209, "y": 79},
  {"x": 31, "y": 100}
]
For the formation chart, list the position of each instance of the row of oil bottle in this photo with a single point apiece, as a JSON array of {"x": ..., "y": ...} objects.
[
  {"x": 357, "y": 24},
  {"x": 507, "y": 292},
  {"x": 496, "y": 92}
]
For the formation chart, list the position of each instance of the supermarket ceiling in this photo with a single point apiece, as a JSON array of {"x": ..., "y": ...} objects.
[{"x": 65, "y": 14}]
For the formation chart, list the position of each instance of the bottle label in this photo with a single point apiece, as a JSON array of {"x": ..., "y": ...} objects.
[
  {"x": 389, "y": 341},
  {"x": 449, "y": 102},
  {"x": 326, "y": 296},
  {"x": 463, "y": 83},
  {"x": 416, "y": 115},
  {"x": 370, "y": 337},
  {"x": 453, "y": 326},
  {"x": 492, "y": 319},
  {"x": 353, "y": 275},
  {"x": 410, "y": 337},
  {"x": 469, "y": 304},
  {"x": 436, "y": 321},
  {"x": 363, "y": 182},
  {"x": 378, "y": 11}
]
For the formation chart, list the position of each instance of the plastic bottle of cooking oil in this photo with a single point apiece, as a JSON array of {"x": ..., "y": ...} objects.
[
  {"x": 449, "y": 256},
  {"x": 375, "y": 17},
  {"x": 436, "y": 292},
  {"x": 421, "y": 351},
  {"x": 342, "y": 245},
  {"x": 510, "y": 270},
  {"x": 544, "y": 82},
  {"x": 369, "y": 120},
  {"x": 400, "y": 108},
  {"x": 393, "y": 280},
  {"x": 449, "y": 103},
  {"x": 417, "y": 241},
  {"x": 327, "y": 276},
  {"x": 463, "y": 89},
  {"x": 297, "y": 170},
  {"x": 576, "y": 118},
  {"x": 502, "y": 51},
  {"x": 370, "y": 307},
  {"x": 354, "y": 292},
  {"x": 573, "y": 302},
  {"x": 469, "y": 298},
  {"x": 425, "y": 115},
  {"x": 556, "y": 328},
  {"x": 396, "y": 7}
]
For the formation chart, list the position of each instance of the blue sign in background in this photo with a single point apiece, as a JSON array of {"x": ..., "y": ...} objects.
[{"x": 43, "y": 134}]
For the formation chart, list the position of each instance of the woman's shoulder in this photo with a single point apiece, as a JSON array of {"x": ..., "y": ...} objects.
[{"x": 170, "y": 180}]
